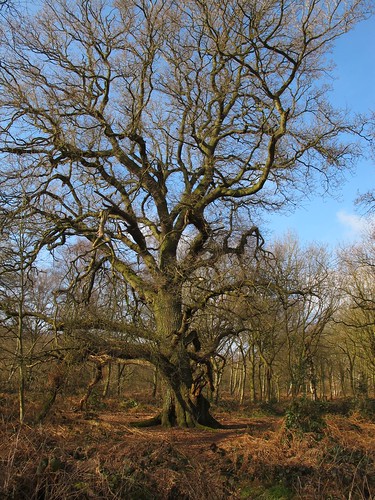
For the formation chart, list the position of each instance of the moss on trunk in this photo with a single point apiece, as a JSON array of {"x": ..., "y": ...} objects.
[{"x": 182, "y": 405}]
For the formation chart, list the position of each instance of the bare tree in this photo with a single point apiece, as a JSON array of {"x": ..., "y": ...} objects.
[
  {"x": 5, "y": 3},
  {"x": 357, "y": 312},
  {"x": 302, "y": 282},
  {"x": 367, "y": 201},
  {"x": 17, "y": 279},
  {"x": 153, "y": 128}
]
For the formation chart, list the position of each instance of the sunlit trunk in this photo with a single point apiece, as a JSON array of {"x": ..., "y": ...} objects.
[
  {"x": 183, "y": 403},
  {"x": 21, "y": 366},
  {"x": 97, "y": 377},
  {"x": 268, "y": 379},
  {"x": 107, "y": 380},
  {"x": 243, "y": 383},
  {"x": 155, "y": 380},
  {"x": 252, "y": 359},
  {"x": 218, "y": 370}
]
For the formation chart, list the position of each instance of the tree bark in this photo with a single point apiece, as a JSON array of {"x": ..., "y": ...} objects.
[
  {"x": 56, "y": 380},
  {"x": 107, "y": 380},
  {"x": 253, "y": 395},
  {"x": 155, "y": 381},
  {"x": 98, "y": 375},
  {"x": 183, "y": 402},
  {"x": 218, "y": 370}
]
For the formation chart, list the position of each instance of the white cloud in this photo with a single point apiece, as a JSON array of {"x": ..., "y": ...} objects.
[{"x": 354, "y": 224}]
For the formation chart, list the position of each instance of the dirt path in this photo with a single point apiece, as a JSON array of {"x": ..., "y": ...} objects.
[{"x": 193, "y": 442}]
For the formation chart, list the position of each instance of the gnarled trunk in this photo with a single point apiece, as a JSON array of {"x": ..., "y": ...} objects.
[
  {"x": 183, "y": 402},
  {"x": 183, "y": 410}
]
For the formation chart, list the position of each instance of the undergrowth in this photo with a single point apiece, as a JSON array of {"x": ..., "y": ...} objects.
[
  {"x": 304, "y": 415},
  {"x": 307, "y": 454}
]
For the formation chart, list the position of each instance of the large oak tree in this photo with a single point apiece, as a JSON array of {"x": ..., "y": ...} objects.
[{"x": 154, "y": 128}]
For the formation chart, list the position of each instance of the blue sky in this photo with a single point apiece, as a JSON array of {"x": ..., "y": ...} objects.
[{"x": 336, "y": 221}]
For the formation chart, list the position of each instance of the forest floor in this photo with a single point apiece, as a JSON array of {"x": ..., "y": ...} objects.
[{"x": 99, "y": 454}]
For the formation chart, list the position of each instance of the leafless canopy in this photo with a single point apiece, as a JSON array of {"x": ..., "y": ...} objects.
[{"x": 133, "y": 118}]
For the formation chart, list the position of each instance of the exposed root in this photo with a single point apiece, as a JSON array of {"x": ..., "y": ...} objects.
[{"x": 149, "y": 422}]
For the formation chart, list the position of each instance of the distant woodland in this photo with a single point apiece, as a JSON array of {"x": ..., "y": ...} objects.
[{"x": 287, "y": 321}]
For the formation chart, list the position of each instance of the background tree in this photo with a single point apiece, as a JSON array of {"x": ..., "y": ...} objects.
[
  {"x": 20, "y": 314},
  {"x": 367, "y": 200},
  {"x": 286, "y": 306},
  {"x": 304, "y": 285},
  {"x": 153, "y": 130},
  {"x": 357, "y": 312}
]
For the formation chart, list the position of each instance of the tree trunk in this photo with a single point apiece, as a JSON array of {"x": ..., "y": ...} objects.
[
  {"x": 268, "y": 380},
  {"x": 183, "y": 402},
  {"x": 253, "y": 395},
  {"x": 107, "y": 380},
  {"x": 351, "y": 376},
  {"x": 21, "y": 368},
  {"x": 232, "y": 378},
  {"x": 181, "y": 409},
  {"x": 243, "y": 383},
  {"x": 322, "y": 382},
  {"x": 56, "y": 380},
  {"x": 155, "y": 380},
  {"x": 120, "y": 371},
  {"x": 260, "y": 381},
  {"x": 98, "y": 375},
  {"x": 218, "y": 370},
  {"x": 278, "y": 391},
  {"x": 331, "y": 392}
]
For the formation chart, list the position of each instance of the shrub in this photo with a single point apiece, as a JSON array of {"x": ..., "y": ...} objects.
[
  {"x": 365, "y": 407},
  {"x": 304, "y": 415}
]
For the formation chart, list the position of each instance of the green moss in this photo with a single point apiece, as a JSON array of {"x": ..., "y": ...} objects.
[{"x": 275, "y": 492}]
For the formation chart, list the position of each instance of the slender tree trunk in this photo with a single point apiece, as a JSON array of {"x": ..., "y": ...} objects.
[
  {"x": 56, "y": 380},
  {"x": 260, "y": 381},
  {"x": 278, "y": 395},
  {"x": 232, "y": 381},
  {"x": 120, "y": 371},
  {"x": 312, "y": 379},
  {"x": 155, "y": 379},
  {"x": 242, "y": 367},
  {"x": 351, "y": 376},
  {"x": 322, "y": 383},
  {"x": 218, "y": 369},
  {"x": 268, "y": 390},
  {"x": 107, "y": 380},
  {"x": 331, "y": 384},
  {"x": 98, "y": 375},
  {"x": 243, "y": 382},
  {"x": 253, "y": 396},
  {"x": 237, "y": 378},
  {"x": 342, "y": 380},
  {"x": 20, "y": 332},
  {"x": 21, "y": 365}
]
